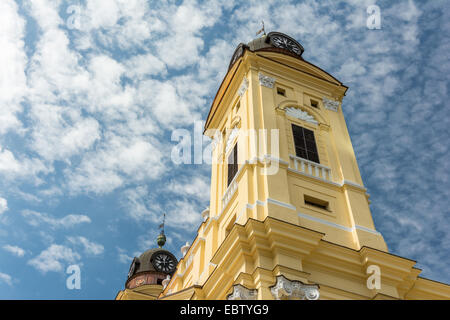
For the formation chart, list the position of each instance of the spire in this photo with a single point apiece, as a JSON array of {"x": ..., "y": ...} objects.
[{"x": 161, "y": 239}]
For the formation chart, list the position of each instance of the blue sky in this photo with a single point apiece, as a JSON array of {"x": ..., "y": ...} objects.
[{"x": 91, "y": 92}]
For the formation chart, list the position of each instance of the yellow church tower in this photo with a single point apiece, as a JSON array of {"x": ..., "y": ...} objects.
[{"x": 289, "y": 215}]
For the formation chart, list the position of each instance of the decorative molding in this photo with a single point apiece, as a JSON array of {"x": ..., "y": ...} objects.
[
  {"x": 205, "y": 214},
  {"x": 233, "y": 134},
  {"x": 184, "y": 249},
  {"x": 285, "y": 289},
  {"x": 311, "y": 168},
  {"x": 243, "y": 87},
  {"x": 242, "y": 293},
  {"x": 281, "y": 204},
  {"x": 330, "y": 104},
  {"x": 300, "y": 114},
  {"x": 214, "y": 144},
  {"x": 166, "y": 281},
  {"x": 266, "y": 81},
  {"x": 338, "y": 226},
  {"x": 236, "y": 122}
]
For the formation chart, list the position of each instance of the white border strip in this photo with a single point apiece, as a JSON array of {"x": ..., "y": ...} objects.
[{"x": 335, "y": 225}]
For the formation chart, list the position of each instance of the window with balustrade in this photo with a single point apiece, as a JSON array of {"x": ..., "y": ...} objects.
[{"x": 305, "y": 143}]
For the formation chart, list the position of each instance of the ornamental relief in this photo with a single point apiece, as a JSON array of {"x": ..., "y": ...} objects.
[
  {"x": 242, "y": 293},
  {"x": 291, "y": 108},
  {"x": 233, "y": 134},
  {"x": 330, "y": 104},
  {"x": 300, "y": 114},
  {"x": 285, "y": 289},
  {"x": 266, "y": 81}
]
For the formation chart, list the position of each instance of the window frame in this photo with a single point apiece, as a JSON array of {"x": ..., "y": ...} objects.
[
  {"x": 308, "y": 146},
  {"x": 234, "y": 165}
]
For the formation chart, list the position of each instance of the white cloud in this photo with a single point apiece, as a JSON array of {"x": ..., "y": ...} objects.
[
  {"x": 123, "y": 256},
  {"x": 62, "y": 127},
  {"x": 53, "y": 258},
  {"x": 184, "y": 214},
  {"x": 141, "y": 205},
  {"x": 90, "y": 247},
  {"x": 122, "y": 23},
  {"x": 3, "y": 205},
  {"x": 143, "y": 65},
  {"x": 6, "y": 278},
  {"x": 12, "y": 168},
  {"x": 36, "y": 218},
  {"x": 195, "y": 187},
  {"x": 13, "y": 60},
  {"x": 119, "y": 160},
  {"x": 17, "y": 251}
]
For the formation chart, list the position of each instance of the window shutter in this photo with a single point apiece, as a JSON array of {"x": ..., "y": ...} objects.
[{"x": 305, "y": 143}]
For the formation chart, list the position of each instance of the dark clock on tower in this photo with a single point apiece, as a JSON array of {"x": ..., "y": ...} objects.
[
  {"x": 282, "y": 41},
  {"x": 164, "y": 262}
]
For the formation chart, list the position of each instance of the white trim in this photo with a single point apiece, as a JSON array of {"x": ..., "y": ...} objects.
[
  {"x": 331, "y": 224},
  {"x": 243, "y": 87},
  {"x": 335, "y": 225},
  {"x": 354, "y": 184},
  {"x": 260, "y": 203},
  {"x": 314, "y": 177},
  {"x": 270, "y": 157},
  {"x": 281, "y": 204},
  {"x": 344, "y": 182},
  {"x": 367, "y": 230}
]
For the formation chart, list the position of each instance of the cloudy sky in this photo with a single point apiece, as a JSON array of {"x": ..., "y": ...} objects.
[{"x": 91, "y": 91}]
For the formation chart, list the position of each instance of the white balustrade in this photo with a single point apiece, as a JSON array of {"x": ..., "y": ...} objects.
[
  {"x": 311, "y": 168},
  {"x": 229, "y": 193}
]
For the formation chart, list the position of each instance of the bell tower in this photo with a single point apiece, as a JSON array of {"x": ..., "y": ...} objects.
[
  {"x": 149, "y": 273},
  {"x": 295, "y": 160},
  {"x": 289, "y": 215}
]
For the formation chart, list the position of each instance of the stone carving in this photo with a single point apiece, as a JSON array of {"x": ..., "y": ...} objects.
[
  {"x": 184, "y": 249},
  {"x": 294, "y": 290},
  {"x": 166, "y": 281},
  {"x": 266, "y": 81},
  {"x": 242, "y": 293},
  {"x": 243, "y": 87},
  {"x": 205, "y": 214},
  {"x": 330, "y": 104},
  {"x": 300, "y": 114}
]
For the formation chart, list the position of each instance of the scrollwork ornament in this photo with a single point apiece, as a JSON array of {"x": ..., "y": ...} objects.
[
  {"x": 242, "y": 293},
  {"x": 266, "y": 81},
  {"x": 330, "y": 104},
  {"x": 294, "y": 290}
]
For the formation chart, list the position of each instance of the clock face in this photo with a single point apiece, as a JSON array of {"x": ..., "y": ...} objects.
[
  {"x": 132, "y": 267},
  {"x": 164, "y": 262},
  {"x": 285, "y": 43}
]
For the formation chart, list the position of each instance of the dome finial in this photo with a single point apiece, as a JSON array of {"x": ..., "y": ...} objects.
[{"x": 161, "y": 239}]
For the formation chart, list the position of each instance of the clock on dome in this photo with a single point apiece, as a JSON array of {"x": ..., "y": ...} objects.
[
  {"x": 282, "y": 41},
  {"x": 164, "y": 261}
]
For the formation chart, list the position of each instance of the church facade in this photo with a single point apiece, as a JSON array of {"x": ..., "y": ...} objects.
[{"x": 289, "y": 215}]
